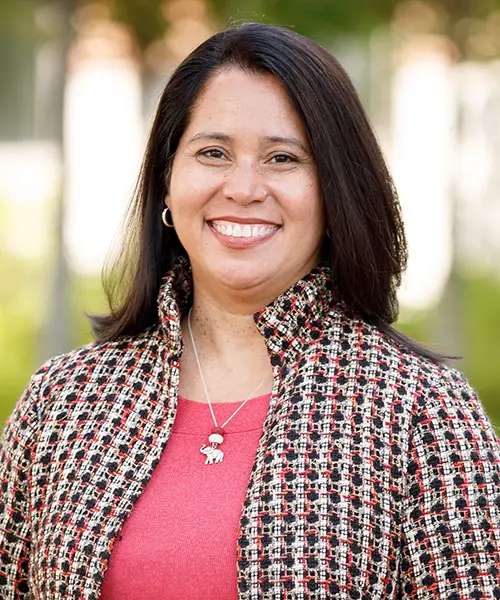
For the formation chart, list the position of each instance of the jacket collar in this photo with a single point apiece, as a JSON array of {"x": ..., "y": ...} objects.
[{"x": 297, "y": 314}]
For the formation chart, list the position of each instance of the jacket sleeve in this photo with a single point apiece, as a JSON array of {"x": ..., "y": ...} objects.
[
  {"x": 16, "y": 446},
  {"x": 451, "y": 517}
]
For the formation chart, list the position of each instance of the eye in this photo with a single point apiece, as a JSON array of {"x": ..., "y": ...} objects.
[
  {"x": 216, "y": 153},
  {"x": 283, "y": 159}
]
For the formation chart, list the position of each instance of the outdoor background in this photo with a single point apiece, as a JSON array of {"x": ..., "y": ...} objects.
[{"x": 78, "y": 84}]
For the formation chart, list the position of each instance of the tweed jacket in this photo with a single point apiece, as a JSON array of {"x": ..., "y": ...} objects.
[{"x": 377, "y": 474}]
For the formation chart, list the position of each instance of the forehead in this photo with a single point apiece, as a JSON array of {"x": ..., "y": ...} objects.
[{"x": 236, "y": 101}]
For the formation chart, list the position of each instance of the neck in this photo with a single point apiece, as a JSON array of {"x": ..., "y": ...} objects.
[
  {"x": 222, "y": 328},
  {"x": 232, "y": 353}
]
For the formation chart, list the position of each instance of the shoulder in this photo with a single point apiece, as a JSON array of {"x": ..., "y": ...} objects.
[
  {"x": 357, "y": 338},
  {"x": 437, "y": 387},
  {"x": 86, "y": 370},
  {"x": 443, "y": 398},
  {"x": 81, "y": 362},
  {"x": 449, "y": 408}
]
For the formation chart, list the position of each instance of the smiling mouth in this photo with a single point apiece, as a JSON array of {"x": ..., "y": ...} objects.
[{"x": 243, "y": 230}]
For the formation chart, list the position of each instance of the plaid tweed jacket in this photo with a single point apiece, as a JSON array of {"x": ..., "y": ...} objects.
[{"x": 377, "y": 475}]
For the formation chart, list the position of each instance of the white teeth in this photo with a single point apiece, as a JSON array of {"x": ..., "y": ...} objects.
[{"x": 239, "y": 231}]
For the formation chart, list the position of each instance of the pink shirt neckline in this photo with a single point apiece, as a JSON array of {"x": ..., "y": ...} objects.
[{"x": 194, "y": 417}]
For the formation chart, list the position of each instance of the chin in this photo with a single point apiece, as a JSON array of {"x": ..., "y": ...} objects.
[{"x": 241, "y": 277}]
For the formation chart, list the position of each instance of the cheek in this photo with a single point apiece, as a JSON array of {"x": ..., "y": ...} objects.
[
  {"x": 179, "y": 181},
  {"x": 317, "y": 207},
  {"x": 190, "y": 187},
  {"x": 308, "y": 207},
  {"x": 184, "y": 191}
]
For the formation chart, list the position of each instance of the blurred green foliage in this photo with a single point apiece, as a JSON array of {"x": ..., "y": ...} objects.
[
  {"x": 482, "y": 349},
  {"x": 23, "y": 311},
  {"x": 144, "y": 18},
  {"x": 17, "y": 38},
  {"x": 21, "y": 318},
  {"x": 481, "y": 327},
  {"x": 320, "y": 19}
]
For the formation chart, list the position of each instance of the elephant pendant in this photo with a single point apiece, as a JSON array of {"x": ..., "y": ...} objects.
[{"x": 213, "y": 454}]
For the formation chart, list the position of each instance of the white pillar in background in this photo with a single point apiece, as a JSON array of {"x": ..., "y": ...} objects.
[
  {"x": 421, "y": 156},
  {"x": 104, "y": 138}
]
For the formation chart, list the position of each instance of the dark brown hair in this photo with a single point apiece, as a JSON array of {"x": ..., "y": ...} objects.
[{"x": 366, "y": 247}]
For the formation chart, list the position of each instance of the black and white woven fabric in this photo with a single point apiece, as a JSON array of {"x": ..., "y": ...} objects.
[{"x": 377, "y": 475}]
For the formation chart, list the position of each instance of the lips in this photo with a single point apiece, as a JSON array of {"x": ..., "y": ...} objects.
[{"x": 243, "y": 230}]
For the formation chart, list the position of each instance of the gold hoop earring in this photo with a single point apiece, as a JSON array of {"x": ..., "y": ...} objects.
[{"x": 164, "y": 218}]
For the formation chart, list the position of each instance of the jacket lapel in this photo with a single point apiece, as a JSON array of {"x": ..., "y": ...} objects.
[{"x": 103, "y": 436}]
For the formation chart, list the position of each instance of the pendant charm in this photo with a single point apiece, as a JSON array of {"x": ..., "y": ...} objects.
[{"x": 213, "y": 454}]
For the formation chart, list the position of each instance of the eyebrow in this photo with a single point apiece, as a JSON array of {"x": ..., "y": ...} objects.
[{"x": 223, "y": 137}]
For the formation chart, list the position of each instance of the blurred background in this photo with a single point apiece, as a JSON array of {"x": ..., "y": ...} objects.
[{"x": 79, "y": 83}]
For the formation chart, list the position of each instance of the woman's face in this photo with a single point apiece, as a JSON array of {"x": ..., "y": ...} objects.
[{"x": 244, "y": 194}]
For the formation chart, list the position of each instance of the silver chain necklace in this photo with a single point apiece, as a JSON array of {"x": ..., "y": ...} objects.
[{"x": 216, "y": 437}]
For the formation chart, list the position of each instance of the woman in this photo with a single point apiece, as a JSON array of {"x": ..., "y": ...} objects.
[{"x": 248, "y": 424}]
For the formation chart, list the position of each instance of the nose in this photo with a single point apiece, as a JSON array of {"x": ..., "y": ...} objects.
[{"x": 245, "y": 183}]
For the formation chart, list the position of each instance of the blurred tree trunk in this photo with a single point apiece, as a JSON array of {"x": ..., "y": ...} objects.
[
  {"x": 55, "y": 18},
  {"x": 17, "y": 42}
]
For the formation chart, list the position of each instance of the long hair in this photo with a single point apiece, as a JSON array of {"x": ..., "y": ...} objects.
[{"x": 366, "y": 247}]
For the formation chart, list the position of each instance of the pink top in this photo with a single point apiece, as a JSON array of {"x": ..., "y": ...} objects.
[{"x": 180, "y": 539}]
